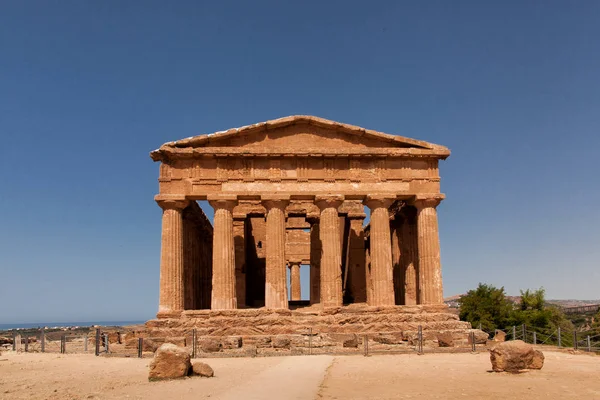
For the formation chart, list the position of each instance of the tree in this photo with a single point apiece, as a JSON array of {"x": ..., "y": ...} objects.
[
  {"x": 489, "y": 307},
  {"x": 486, "y": 305}
]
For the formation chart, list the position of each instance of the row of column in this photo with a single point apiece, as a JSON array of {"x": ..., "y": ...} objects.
[{"x": 329, "y": 268}]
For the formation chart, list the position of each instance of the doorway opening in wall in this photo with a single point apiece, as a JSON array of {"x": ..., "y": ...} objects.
[{"x": 304, "y": 282}]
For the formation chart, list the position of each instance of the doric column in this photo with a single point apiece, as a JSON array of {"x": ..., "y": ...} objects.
[
  {"x": 315, "y": 262},
  {"x": 239, "y": 240},
  {"x": 381, "y": 250},
  {"x": 223, "y": 262},
  {"x": 331, "y": 257},
  {"x": 275, "y": 272},
  {"x": 296, "y": 292},
  {"x": 430, "y": 270},
  {"x": 358, "y": 284},
  {"x": 395, "y": 227},
  {"x": 190, "y": 265},
  {"x": 409, "y": 258},
  {"x": 171, "y": 296}
]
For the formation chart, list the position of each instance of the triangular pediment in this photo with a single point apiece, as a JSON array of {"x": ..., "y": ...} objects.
[{"x": 298, "y": 133}]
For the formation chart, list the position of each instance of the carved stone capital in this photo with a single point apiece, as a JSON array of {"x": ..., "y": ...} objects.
[
  {"x": 172, "y": 204},
  {"x": 329, "y": 201},
  {"x": 421, "y": 202},
  {"x": 270, "y": 201},
  {"x": 374, "y": 201},
  {"x": 293, "y": 262},
  {"x": 222, "y": 201}
]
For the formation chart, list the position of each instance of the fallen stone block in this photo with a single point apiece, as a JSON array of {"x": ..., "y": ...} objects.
[
  {"x": 281, "y": 342},
  {"x": 514, "y": 356},
  {"x": 202, "y": 369},
  {"x": 210, "y": 345},
  {"x": 445, "y": 339},
  {"x": 170, "y": 362},
  {"x": 499, "y": 336}
]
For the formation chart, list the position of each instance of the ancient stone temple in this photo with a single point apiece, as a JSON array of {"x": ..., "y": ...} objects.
[{"x": 294, "y": 193}]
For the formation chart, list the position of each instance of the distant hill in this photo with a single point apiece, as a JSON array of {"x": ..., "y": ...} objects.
[{"x": 452, "y": 301}]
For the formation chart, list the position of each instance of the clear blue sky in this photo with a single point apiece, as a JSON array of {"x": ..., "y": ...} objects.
[{"x": 87, "y": 89}]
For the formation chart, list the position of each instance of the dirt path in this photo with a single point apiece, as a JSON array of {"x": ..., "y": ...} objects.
[
  {"x": 432, "y": 376},
  {"x": 460, "y": 376},
  {"x": 78, "y": 376}
]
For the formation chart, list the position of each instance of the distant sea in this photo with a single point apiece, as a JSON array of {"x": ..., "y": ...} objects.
[{"x": 25, "y": 325}]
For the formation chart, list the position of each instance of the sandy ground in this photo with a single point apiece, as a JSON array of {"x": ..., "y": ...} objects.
[{"x": 432, "y": 376}]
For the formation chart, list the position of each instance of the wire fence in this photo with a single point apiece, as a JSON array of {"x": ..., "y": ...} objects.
[
  {"x": 304, "y": 342},
  {"x": 300, "y": 342},
  {"x": 588, "y": 340}
]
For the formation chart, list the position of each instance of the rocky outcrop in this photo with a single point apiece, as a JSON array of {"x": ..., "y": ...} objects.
[
  {"x": 515, "y": 356},
  {"x": 170, "y": 362}
]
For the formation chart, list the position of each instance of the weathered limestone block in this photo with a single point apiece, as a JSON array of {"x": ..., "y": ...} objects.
[
  {"x": 499, "y": 336},
  {"x": 352, "y": 342},
  {"x": 262, "y": 341},
  {"x": 170, "y": 362},
  {"x": 445, "y": 339},
  {"x": 210, "y": 345},
  {"x": 389, "y": 338},
  {"x": 343, "y": 339},
  {"x": 202, "y": 369},
  {"x": 514, "y": 356},
  {"x": 538, "y": 360},
  {"x": 281, "y": 342},
  {"x": 148, "y": 345},
  {"x": 480, "y": 336},
  {"x": 114, "y": 337},
  {"x": 232, "y": 342}
]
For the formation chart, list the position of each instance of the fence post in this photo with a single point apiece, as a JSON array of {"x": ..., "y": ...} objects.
[
  {"x": 85, "y": 343},
  {"x": 589, "y": 347},
  {"x": 310, "y": 341},
  {"x": 97, "y": 341},
  {"x": 575, "y": 340},
  {"x": 524, "y": 333},
  {"x": 43, "y": 340},
  {"x": 140, "y": 347},
  {"x": 473, "y": 347},
  {"x": 14, "y": 341},
  {"x": 534, "y": 337},
  {"x": 194, "y": 343},
  {"x": 26, "y": 344},
  {"x": 366, "y": 345},
  {"x": 63, "y": 344},
  {"x": 106, "y": 342},
  {"x": 514, "y": 333},
  {"x": 559, "y": 338},
  {"x": 420, "y": 340}
]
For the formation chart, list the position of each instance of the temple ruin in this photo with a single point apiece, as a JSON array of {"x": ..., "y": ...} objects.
[{"x": 292, "y": 192}]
